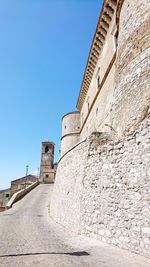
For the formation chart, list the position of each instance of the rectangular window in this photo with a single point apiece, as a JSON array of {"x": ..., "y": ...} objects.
[
  {"x": 98, "y": 79},
  {"x": 88, "y": 103},
  {"x": 116, "y": 39},
  {"x": 98, "y": 82}
]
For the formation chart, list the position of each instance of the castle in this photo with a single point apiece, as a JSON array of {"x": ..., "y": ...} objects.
[
  {"x": 103, "y": 178},
  {"x": 114, "y": 95},
  {"x": 102, "y": 184}
]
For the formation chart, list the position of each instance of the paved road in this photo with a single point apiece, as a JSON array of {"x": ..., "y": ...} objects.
[{"x": 28, "y": 237}]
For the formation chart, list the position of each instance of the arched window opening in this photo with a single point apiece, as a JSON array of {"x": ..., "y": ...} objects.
[{"x": 46, "y": 149}]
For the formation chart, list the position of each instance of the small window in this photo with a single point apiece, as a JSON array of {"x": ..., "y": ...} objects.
[
  {"x": 116, "y": 39},
  {"x": 98, "y": 81},
  {"x": 47, "y": 176},
  {"x": 88, "y": 103},
  {"x": 7, "y": 195},
  {"x": 97, "y": 77},
  {"x": 65, "y": 127}
]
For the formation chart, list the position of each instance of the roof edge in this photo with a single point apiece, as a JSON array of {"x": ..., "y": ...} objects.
[{"x": 105, "y": 17}]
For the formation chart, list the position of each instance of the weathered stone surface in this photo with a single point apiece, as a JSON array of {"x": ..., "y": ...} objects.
[
  {"x": 131, "y": 97},
  {"x": 47, "y": 167},
  {"x": 104, "y": 193}
]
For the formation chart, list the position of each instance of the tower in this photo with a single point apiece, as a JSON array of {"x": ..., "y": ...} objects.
[
  {"x": 47, "y": 172},
  {"x": 70, "y": 131}
]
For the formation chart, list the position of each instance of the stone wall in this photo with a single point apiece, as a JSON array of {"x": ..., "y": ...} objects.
[
  {"x": 131, "y": 97},
  {"x": 102, "y": 190},
  {"x": 95, "y": 112},
  {"x": 65, "y": 202}
]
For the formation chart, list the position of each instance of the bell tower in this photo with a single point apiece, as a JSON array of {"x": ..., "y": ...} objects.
[{"x": 47, "y": 162}]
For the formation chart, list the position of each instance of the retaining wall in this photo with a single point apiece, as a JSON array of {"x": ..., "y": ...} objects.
[
  {"x": 102, "y": 190},
  {"x": 20, "y": 194}
]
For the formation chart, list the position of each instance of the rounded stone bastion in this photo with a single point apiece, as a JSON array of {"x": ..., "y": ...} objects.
[
  {"x": 70, "y": 131},
  {"x": 131, "y": 86}
]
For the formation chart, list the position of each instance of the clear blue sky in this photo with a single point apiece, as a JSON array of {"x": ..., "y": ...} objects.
[{"x": 44, "y": 45}]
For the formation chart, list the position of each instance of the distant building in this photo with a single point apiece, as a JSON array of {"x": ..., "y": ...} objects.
[
  {"x": 4, "y": 198},
  {"x": 47, "y": 168},
  {"x": 22, "y": 183},
  {"x": 47, "y": 175},
  {"x": 16, "y": 185}
]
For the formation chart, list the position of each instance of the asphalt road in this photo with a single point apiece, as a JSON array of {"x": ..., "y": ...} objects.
[{"x": 28, "y": 237}]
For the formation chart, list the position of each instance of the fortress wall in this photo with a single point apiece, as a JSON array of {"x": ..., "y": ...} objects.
[
  {"x": 99, "y": 117},
  {"x": 102, "y": 190},
  {"x": 68, "y": 141},
  {"x": 95, "y": 112},
  {"x": 132, "y": 81},
  {"x": 65, "y": 201},
  {"x": 70, "y": 130}
]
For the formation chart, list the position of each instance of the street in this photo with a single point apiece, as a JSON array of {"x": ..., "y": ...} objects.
[{"x": 29, "y": 237}]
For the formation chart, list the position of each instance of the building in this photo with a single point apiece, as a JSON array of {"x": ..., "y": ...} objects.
[
  {"x": 114, "y": 94},
  {"x": 47, "y": 168},
  {"x": 16, "y": 185},
  {"x": 102, "y": 182},
  {"x": 22, "y": 183},
  {"x": 47, "y": 174},
  {"x": 4, "y": 198}
]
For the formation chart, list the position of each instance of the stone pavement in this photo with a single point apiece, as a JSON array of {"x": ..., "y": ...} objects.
[{"x": 28, "y": 237}]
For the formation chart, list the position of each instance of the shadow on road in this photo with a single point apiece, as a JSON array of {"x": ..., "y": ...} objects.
[{"x": 77, "y": 253}]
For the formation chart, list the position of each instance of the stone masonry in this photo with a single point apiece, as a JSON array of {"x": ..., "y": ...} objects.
[
  {"x": 131, "y": 96},
  {"x": 47, "y": 166},
  {"x": 102, "y": 189}
]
